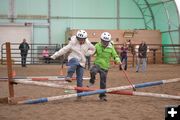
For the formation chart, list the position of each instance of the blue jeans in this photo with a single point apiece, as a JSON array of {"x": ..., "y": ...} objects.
[
  {"x": 74, "y": 66},
  {"x": 103, "y": 76},
  {"x": 144, "y": 64}
]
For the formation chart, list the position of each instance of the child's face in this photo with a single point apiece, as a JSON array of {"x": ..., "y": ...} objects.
[
  {"x": 81, "y": 41},
  {"x": 104, "y": 43}
]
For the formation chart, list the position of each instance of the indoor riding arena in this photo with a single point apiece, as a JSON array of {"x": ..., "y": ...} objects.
[{"x": 52, "y": 49}]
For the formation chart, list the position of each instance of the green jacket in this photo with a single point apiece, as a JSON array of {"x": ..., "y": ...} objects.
[{"x": 104, "y": 55}]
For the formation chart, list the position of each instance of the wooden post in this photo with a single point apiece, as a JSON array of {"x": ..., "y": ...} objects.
[
  {"x": 133, "y": 59},
  {"x": 9, "y": 68}
]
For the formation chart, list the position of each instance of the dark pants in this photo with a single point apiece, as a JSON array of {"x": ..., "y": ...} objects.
[
  {"x": 23, "y": 60},
  {"x": 124, "y": 62},
  {"x": 46, "y": 59},
  {"x": 103, "y": 76}
]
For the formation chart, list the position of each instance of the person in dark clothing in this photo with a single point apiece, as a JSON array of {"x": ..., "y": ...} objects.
[
  {"x": 123, "y": 56},
  {"x": 24, "y": 47},
  {"x": 130, "y": 46},
  {"x": 88, "y": 62},
  {"x": 142, "y": 56}
]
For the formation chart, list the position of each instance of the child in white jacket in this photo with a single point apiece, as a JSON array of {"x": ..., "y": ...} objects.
[{"x": 79, "y": 46}]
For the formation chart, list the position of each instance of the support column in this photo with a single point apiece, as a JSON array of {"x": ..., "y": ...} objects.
[
  {"x": 49, "y": 21},
  {"x": 118, "y": 16},
  {"x": 9, "y": 68}
]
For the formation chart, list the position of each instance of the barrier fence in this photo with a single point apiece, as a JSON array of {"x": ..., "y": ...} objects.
[
  {"x": 157, "y": 53},
  {"x": 34, "y": 55}
]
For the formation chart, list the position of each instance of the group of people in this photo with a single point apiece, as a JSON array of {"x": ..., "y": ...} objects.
[
  {"x": 79, "y": 47},
  {"x": 141, "y": 53}
]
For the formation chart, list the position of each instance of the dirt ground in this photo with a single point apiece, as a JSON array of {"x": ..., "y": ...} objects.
[{"x": 118, "y": 107}]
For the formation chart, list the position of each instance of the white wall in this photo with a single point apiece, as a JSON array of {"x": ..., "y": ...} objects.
[{"x": 14, "y": 34}]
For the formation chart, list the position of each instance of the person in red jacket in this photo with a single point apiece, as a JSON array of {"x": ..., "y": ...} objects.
[{"x": 123, "y": 56}]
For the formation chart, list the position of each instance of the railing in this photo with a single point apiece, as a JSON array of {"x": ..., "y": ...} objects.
[
  {"x": 157, "y": 53},
  {"x": 34, "y": 54},
  {"x": 171, "y": 53}
]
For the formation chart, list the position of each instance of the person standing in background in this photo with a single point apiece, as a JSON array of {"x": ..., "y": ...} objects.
[
  {"x": 123, "y": 57},
  {"x": 142, "y": 57},
  {"x": 45, "y": 55},
  {"x": 24, "y": 47},
  {"x": 130, "y": 46}
]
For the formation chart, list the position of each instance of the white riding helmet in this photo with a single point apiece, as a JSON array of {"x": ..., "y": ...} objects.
[
  {"x": 106, "y": 36},
  {"x": 81, "y": 34}
]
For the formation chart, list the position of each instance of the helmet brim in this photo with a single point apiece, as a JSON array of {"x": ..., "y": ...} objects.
[
  {"x": 78, "y": 38},
  {"x": 105, "y": 40}
]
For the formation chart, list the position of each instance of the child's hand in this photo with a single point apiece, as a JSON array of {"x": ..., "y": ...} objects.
[
  {"x": 118, "y": 63},
  {"x": 53, "y": 57}
]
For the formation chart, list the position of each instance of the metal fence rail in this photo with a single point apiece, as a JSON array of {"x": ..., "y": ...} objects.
[
  {"x": 34, "y": 54},
  {"x": 158, "y": 53}
]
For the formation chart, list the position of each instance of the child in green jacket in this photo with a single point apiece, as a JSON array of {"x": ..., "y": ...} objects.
[{"x": 104, "y": 52}]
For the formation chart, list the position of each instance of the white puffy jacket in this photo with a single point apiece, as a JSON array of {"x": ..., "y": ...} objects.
[{"x": 76, "y": 50}]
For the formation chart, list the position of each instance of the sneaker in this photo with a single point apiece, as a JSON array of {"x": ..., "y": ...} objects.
[
  {"x": 103, "y": 98},
  {"x": 90, "y": 85},
  {"x": 68, "y": 79}
]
